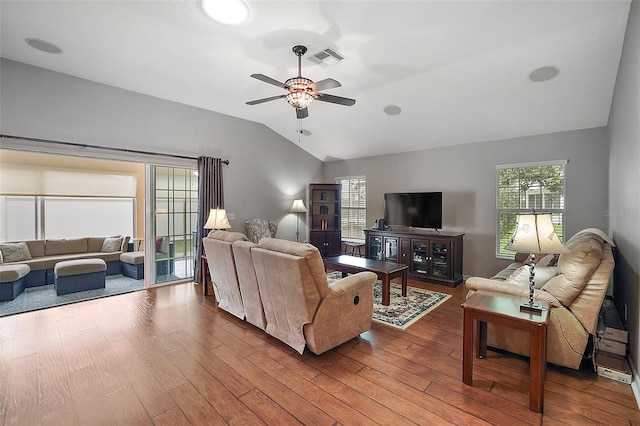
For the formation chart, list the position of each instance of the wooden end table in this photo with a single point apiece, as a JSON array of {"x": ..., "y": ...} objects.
[
  {"x": 386, "y": 271},
  {"x": 504, "y": 309}
]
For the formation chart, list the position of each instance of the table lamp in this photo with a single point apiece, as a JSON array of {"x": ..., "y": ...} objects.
[
  {"x": 297, "y": 208},
  {"x": 535, "y": 234},
  {"x": 217, "y": 220}
]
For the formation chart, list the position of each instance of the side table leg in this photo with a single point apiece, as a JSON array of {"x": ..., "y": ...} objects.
[
  {"x": 537, "y": 367},
  {"x": 467, "y": 347},
  {"x": 482, "y": 339}
]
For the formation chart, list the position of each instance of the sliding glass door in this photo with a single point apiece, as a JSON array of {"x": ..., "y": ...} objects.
[{"x": 173, "y": 208}]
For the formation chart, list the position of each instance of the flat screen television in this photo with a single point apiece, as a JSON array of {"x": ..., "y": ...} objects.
[{"x": 414, "y": 209}]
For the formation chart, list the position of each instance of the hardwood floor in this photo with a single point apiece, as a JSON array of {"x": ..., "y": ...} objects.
[{"x": 168, "y": 356}]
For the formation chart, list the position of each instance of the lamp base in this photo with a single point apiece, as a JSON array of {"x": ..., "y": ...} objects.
[{"x": 534, "y": 308}]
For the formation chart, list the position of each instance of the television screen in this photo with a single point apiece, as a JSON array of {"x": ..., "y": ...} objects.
[{"x": 414, "y": 209}]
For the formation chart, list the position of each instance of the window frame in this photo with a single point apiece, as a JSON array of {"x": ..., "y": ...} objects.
[
  {"x": 344, "y": 207},
  {"x": 499, "y": 210}
]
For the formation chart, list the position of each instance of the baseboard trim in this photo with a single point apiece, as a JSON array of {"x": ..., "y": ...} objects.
[{"x": 635, "y": 384}]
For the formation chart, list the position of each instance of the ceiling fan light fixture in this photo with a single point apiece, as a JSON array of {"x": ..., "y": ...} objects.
[
  {"x": 228, "y": 12},
  {"x": 299, "y": 99}
]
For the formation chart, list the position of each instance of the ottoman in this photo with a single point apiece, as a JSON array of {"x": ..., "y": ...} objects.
[
  {"x": 133, "y": 264},
  {"x": 79, "y": 275},
  {"x": 12, "y": 281}
]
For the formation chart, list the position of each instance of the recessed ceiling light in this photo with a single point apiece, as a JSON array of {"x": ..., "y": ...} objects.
[
  {"x": 43, "y": 46},
  {"x": 544, "y": 74},
  {"x": 392, "y": 110},
  {"x": 228, "y": 12}
]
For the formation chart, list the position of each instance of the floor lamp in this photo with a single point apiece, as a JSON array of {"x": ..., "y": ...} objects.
[
  {"x": 297, "y": 208},
  {"x": 535, "y": 234}
]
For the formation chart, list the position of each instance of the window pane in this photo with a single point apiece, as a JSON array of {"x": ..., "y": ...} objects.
[
  {"x": 354, "y": 206},
  {"x": 526, "y": 189}
]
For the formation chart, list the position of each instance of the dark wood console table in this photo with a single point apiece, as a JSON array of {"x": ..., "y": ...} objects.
[{"x": 430, "y": 256}]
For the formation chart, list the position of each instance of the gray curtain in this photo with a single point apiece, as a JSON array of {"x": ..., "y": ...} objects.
[{"x": 210, "y": 196}]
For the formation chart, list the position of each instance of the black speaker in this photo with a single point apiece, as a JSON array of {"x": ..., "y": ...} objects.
[{"x": 381, "y": 224}]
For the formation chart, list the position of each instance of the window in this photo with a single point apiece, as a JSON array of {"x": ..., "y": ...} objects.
[
  {"x": 354, "y": 206},
  {"x": 523, "y": 188}
]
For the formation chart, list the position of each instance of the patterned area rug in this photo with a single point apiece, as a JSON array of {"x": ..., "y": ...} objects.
[
  {"x": 34, "y": 298},
  {"x": 402, "y": 311}
]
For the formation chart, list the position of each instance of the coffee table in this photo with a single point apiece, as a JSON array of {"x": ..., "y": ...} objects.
[{"x": 386, "y": 271}]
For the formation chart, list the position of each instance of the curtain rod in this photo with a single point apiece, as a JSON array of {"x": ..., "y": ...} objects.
[{"x": 81, "y": 145}]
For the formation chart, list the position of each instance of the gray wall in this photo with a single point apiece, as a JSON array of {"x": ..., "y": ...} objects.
[
  {"x": 466, "y": 174},
  {"x": 624, "y": 184},
  {"x": 43, "y": 104}
]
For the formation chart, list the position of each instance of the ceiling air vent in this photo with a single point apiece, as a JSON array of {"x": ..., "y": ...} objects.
[{"x": 326, "y": 56}]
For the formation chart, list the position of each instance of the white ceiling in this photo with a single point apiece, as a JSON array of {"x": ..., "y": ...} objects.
[{"x": 459, "y": 70}]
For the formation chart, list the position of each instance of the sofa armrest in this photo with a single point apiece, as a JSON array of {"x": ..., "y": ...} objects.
[
  {"x": 477, "y": 283},
  {"x": 344, "y": 313},
  {"x": 352, "y": 282}
]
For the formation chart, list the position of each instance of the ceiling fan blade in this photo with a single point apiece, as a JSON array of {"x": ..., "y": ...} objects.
[
  {"x": 259, "y": 101},
  {"x": 335, "y": 99},
  {"x": 269, "y": 80},
  {"x": 327, "y": 83},
  {"x": 302, "y": 113}
]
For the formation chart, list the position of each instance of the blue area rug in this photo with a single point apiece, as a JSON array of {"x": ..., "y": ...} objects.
[
  {"x": 34, "y": 298},
  {"x": 402, "y": 311}
]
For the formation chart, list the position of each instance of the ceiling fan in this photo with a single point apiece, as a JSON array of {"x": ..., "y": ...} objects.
[{"x": 301, "y": 90}]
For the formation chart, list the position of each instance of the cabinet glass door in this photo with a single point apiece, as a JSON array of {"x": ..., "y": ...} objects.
[
  {"x": 439, "y": 259},
  {"x": 391, "y": 249},
  {"x": 375, "y": 248},
  {"x": 420, "y": 257}
]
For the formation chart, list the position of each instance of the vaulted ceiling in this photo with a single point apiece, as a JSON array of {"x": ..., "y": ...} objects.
[{"x": 457, "y": 70}]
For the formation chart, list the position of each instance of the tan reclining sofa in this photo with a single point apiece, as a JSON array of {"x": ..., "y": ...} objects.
[
  {"x": 294, "y": 301},
  {"x": 575, "y": 294}
]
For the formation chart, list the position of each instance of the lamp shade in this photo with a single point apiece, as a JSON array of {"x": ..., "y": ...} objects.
[
  {"x": 217, "y": 219},
  {"x": 298, "y": 207},
  {"x": 535, "y": 234}
]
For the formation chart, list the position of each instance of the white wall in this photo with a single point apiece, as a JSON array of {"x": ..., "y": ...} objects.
[
  {"x": 624, "y": 184},
  {"x": 466, "y": 174},
  {"x": 267, "y": 172}
]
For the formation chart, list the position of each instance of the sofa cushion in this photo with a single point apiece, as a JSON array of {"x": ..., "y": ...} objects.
[
  {"x": 542, "y": 275},
  {"x": 15, "y": 252},
  {"x": 95, "y": 243},
  {"x": 11, "y": 273},
  {"x": 36, "y": 248},
  {"x": 112, "y": 244},
  {"x": 506, "y": 272},
  {"x": 575, "y": 268},
  {"x": 64, "y": 246}
]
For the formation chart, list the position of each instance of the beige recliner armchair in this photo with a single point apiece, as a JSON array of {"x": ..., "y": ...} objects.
[
  {"x": 300, "y": 306},
  {"x": 575, "y": 295}
]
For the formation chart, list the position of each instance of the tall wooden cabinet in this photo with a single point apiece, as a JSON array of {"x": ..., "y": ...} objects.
[
  {"x": 430, "y": 256},
  {"x": 324, "y": 218}
]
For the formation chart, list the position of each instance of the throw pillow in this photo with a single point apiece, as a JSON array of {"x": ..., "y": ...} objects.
[
  {"x": 542, "y": 275},
  {"x": 112, "y": 244},
  {"x": 15, "y": 252},
  {"x": 159, "y": 241}
]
